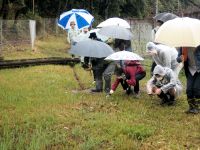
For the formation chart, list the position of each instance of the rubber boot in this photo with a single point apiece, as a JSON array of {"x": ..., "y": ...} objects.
[
  {"x": 193, "y": 107},
  {"x": 99, "y": 86},
  {"x": 164, "y": 98}
]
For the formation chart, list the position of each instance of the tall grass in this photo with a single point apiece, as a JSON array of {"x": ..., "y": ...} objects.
[{"x": 42, "y": 107}]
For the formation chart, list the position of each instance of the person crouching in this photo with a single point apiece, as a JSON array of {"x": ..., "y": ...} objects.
[
  {"x": 130, "y": 75},
  {"x": 165, "y": 84}
]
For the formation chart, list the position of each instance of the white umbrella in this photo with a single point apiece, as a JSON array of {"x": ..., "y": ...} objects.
[
  {"x": 124, "y": 55},
  {"x": 113, "y": 22},
  {"x": 100, "y": 36},
  {"x": 179, "y": 32},
  {"x": 81, "y": 37},
  {"x": 91, "y": 48},
  {"x": 85, "y": 36},
  {"x": 116, "y": 32}
]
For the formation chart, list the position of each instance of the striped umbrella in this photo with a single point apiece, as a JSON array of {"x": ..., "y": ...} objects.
[{"x": 81, "y": 17}]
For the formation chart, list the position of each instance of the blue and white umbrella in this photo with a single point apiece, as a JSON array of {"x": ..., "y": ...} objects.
[{"x": 81, "y": 17}]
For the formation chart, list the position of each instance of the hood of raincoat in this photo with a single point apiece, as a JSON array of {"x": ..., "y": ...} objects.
[{"x": 159, "y": 70}]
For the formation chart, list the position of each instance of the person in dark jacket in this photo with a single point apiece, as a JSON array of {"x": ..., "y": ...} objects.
[
  {"x": 191, "y": 59},
  {"x": 100, "y": 68},
  {"x": 132, "y": 72}
]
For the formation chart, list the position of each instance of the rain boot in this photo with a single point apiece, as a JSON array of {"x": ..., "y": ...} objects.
[
  {"x": 164, "y": 98},
  {"x": 99, "y": 86},
  {"x": 171, "y": 100},
  {"x": 107, "y": 86},
  {"x": 193, "y": 107}
]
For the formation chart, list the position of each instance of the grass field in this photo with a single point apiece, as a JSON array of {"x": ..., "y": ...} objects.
[
  {"x": 42, "y": 107},
  {"x": 49, "y": 46}
]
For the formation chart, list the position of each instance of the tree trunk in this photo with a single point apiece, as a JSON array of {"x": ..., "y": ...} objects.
[
  {"x": 107, "y": 3},
  {"x": 5, "y": 9},
  {"x": 91, "y": 6}
]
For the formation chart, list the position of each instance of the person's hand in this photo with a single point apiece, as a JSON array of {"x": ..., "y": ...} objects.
[
  {"x": 108, "y": 95},
  {"x": 119, "y": 77},
  {"x": 111, "y": 92},
  {"x": 158, "y": 91},
  {"x": 153, "y": 90}
]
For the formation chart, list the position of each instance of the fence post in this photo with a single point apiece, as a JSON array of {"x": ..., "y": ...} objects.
[
  {"x": 44, "y": 28},
  {"x": 1, "y": 28},
  {"x": 1, "y": 38},
  {"x": 56, "y": 26},
  {"x": 32, "y": 28}
]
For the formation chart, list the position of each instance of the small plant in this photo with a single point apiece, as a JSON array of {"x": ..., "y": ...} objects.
[{"x": 139, "y": 132}]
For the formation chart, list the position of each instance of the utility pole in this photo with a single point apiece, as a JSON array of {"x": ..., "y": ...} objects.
[
  {"x": 178, "y": 6},
  {"x": 33, "y": 7},
  {"x": 156, "y": 4}
]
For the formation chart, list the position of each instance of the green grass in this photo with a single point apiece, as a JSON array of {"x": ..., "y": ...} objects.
[
  {"x": 42, "y": 107},
  {"x": 51, "y": 46}
]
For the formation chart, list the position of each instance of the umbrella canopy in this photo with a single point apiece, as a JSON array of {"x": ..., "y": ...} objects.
[
  {"x": 165, "y": 16},
  {"x": 81, "y": 17},
  {"x": 91, "y": 48},
  {"x": 116, "y": 32},
  {"x": 115, "y": 21},
  {"x": 179, "y": 32},
  {"x": 82, "y": 36},
  {"x": 100, "y": 36},
  {"x": 124, "y": 55}
]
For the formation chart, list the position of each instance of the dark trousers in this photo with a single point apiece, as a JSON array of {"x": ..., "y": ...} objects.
[
  {"x": 125, "y": 86},
  {"x": 193, "y": 85},
  {"x": 138, "y": 77},
  {"x": 166, "y": 97},
  {"x": 152, "y": 67},
  {"x": 98, "y": 77},
  {"x": 193, "y": 90}
]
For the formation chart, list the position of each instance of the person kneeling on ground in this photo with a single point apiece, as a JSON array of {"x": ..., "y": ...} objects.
[
  {"x": 129, "y": 76},
  {"x": 165, "y": 84}
]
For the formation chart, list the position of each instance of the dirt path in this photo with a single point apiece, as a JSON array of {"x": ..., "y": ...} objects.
[{"x": 82, "y": 87}]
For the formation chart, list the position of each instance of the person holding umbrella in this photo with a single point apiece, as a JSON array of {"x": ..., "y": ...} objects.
[
  {"x": 73, "y": 21},
  {"x": 191, "y": 58},
  {"x": 164, "y": 55},
  {"x": 99, "y": 66},
  {"x": 160, "y": 19},
  {"x": 72, "y": 33}
]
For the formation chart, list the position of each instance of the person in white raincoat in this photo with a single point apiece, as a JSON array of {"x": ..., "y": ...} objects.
[
  {"x": 165, "y": 56},
  {"x": 165, "y": 84}
]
